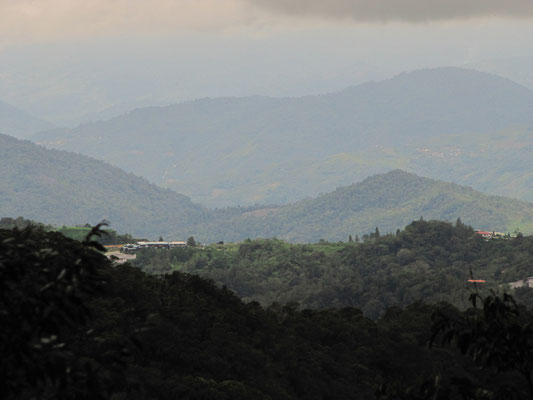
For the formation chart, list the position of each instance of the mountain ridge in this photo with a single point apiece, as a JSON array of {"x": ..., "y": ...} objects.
[
  {"x": 388, "y": 201},
  {"x": 63, "y": 188},
  {"x": 229, "y": 151},
  {"x": 59, "y": 187}
]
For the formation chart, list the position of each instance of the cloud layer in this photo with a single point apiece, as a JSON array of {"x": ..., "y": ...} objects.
[
  {"x": 22, "y": 20},
  {"x": 400, "y": 10},
  {"x": 51, "y": 20}
]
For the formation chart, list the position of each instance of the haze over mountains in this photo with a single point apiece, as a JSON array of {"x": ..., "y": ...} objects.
[
  {"x": 388, "y": 201},
  {"x": 231, "y": 151},
  {"x": 18, "y": 123},
  {"x": 59, "y": 187},
  {"x": 80, "y": 81},
  {"x": 325, "y": 166},
  {"x": 448, "y": 123},
  {"x": 64, "y": 188},
  {"x": 518, "y": 69}
]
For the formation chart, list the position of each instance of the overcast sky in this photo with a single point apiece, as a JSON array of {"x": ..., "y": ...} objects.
[
  {"x": 42, "y": 20},
  {"x": 63, "y": 58}
]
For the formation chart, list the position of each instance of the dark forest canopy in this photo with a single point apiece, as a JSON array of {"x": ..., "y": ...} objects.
[
  {"x": 74, "y": 327},
  {"x": 80, "y": 232},
  {"x": 428, "y": 260}
]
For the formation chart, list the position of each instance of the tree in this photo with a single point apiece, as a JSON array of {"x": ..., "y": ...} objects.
[
  {"x": 497, "y": 336},
  {"x": 191, "y": 242},
  {"x": 44, "y": 278}
]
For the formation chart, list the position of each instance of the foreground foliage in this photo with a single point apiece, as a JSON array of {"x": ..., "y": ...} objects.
[
  {"x": 108, "y": 236},
  {"x": 76, "y": 327},
  {"x": 44, "y": 280}
]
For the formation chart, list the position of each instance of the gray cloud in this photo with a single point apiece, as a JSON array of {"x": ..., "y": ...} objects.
[{"x": 400, "y": 10}]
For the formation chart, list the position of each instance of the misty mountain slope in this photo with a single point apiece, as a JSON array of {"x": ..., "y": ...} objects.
[
  {"x": 428, "y": 103},
  {"x": 518, "y": 69},
  {"x": 59, "y": 187},
  {"x": 500, "y": 163},
  {"x": 65, "y": 188},
  {"x": 18, "y": 123},
  {"x": 388, "y": 201},
  {"x": 232, "y": 151}
]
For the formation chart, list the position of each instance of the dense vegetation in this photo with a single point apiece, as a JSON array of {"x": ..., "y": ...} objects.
[
  {"x": 75, "y": 328},
  {"x": 229, "y": 151},
  {"x": 109, "y": 236},
  {"x": 56, "y": 187},
  {"x": 64, "y": 188},
  {"x": 428, "y": 260},
  {"x": 21, "y": 223},
  {"x": 497, "y": 163},
  {"x": 389, "y": 201}
]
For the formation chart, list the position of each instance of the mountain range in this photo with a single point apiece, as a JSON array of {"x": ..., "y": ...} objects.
[
  {"x": 60, "y": 187},
  {"x": 231, "y": 151}
]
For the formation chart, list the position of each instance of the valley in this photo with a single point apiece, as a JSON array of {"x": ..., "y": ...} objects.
[{"x": 266, "y": 200}]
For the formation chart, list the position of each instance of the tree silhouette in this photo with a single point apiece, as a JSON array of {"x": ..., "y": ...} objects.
[
  {"x": 498, "y": 335},
  {"x": 43, "y": 280}
]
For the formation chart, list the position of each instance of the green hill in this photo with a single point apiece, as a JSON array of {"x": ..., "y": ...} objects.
[
  {"x": 230, "y": 151},
  {"x": 388, "y": 201},
  {"x": 62, "y": 188},
  {"x": 57, "y": 187}
]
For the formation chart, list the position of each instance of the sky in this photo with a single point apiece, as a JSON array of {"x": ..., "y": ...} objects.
[
  {"x": 70, "y": 61},
  {"x": 44, "y": 20}
]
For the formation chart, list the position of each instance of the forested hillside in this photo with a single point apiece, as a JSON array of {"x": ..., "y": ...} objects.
[
  {"x": 240, "y": 151},
  {"x": 428, "y": 260},
  {"x": 388, "y": 201},
  {"x": 61, "y": 188},
  {"x": 498, "y": 163},
  {"x": 76, "y": 328}
]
